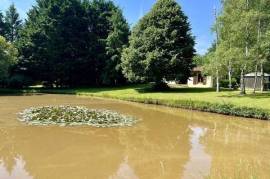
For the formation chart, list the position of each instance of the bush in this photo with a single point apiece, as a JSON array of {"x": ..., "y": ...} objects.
[
  {"x": 225, "y": 83},
  {"x": 19, "y": 81}
]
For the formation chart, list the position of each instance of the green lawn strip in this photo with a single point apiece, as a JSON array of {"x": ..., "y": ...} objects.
[{"x": 226, "y": 109}]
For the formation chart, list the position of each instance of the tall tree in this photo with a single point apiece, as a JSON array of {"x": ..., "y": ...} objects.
[
  {"x": 2, "y": 25},
  {"x": 261, "y": 48},
  {"x": 161, "y": 46},
  {"x": 116, "y": 40},
  {"x": 55, "y": 43},
  {"x": 111, "y": 30},
  {"x": 73, "y": 42},
  {"x": 233, "y": 39},
  {"x": 13, "y": 23}
]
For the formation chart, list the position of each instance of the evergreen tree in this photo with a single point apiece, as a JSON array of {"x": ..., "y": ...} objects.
[
  {"x": 111, "y": 32},
  {"x": 115, "y": 42},
  {"x": 13, "y": 23},
  {"x": 2, "y": 25},
  {"x": 161, "y": 46},
  {"x": 70, "y": 42}
]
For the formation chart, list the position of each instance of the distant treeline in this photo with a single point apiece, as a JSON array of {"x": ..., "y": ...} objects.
[{"x": 71, "y": 43}]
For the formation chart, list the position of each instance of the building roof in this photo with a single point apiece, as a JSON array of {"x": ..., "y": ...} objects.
[
  {"x": 258, "y": 74},
  {"x": 199, "y": 68}
]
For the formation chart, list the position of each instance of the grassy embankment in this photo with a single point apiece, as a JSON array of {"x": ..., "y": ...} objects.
[{"x": 226, "y": 102}]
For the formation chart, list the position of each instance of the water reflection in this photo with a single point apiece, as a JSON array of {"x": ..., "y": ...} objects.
[
  {"x": 17, "y": 172},
  {"x": 125, "y": 171},
  {"x": 168, "y": 143},
  {"x": 199, "y": 163}
]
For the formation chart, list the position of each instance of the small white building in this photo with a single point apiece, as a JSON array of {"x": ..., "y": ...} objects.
[{"x": 198, "y": 80}]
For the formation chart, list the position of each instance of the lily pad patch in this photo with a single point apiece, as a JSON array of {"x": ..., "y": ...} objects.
[{"x": 75, "y": 115}]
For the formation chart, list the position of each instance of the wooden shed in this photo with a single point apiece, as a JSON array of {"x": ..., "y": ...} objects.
[{"x": 250, "y": 78}]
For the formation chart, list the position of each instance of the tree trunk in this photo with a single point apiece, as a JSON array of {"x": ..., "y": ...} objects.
[
  {"x": 218, "y": 86},
  {"x": 262, "y": 78},
  {"x": 255, "y": 79},
  {"x": 256, "y": 67},
  {"x": 230, "y": 75},
  {"x": 242, "y": 83}
]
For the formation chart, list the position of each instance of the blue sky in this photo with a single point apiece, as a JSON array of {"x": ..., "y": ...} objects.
[{"x": 199, "y": 12}]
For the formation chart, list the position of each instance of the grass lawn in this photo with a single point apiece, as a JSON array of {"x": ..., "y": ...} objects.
[
  {"x": 200, "y": 98},
  {"x": 259, "y": 100}
]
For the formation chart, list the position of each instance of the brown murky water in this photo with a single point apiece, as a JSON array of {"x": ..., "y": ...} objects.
[{"x": 167, "y": 143}]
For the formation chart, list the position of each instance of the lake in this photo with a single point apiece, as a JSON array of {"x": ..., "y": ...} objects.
[{"x": 166, "y": 143}]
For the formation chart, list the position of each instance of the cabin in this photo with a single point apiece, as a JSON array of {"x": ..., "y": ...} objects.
[
  {"x": 199, "y": 80},
  {"x": 250, "y": 79}
]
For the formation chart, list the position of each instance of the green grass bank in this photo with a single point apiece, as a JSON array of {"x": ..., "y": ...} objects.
[{"x": 226, "y": 102}]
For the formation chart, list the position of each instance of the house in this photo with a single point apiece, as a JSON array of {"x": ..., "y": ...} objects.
[
  {"x": 199, "y": 80},
  {"x": 250, "y": 78}
]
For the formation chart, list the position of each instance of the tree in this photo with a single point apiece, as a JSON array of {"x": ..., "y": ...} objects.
[
  {"x": 250, "y": 48},
  {"x": 117, "y": 39},
  {"x": 73, "y": 43},
  {"x": 111, "y": 31},
  {"x": 161, "y": 45},
  {"x": 2, "y": 25},
  {"x": 261, "y": 47},
  {"x": 233, "y": 40},
  {"x": 13, "y": 23},
  {"x": 8, "y": 57},
  {"x": 53, "y": 43}
]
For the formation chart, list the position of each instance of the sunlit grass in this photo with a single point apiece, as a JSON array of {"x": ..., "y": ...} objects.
[{"x": 259, "y": 100}]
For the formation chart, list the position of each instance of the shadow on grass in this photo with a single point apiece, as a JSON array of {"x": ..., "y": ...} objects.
[
  {"x": 108, "y": 89},
  {"x": 252, "y": 96},
  {"x": 176, "y": 90}
]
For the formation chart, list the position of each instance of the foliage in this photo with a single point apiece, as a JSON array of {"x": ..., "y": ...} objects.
[
  {"x": 8, "y": 57},
  {"x": 200, "y": 60},
  {"x": 2, "y": 25},
  {"x": 73, "y": 43},
  {"x": 69, "y": 115},
  {"x": 161, "y": 46},
  {"x": 225, "y": 83},
  {"x": 243, "y": 42},
  {"x": 12, "y": 24},
  {"x": 116, "y": 40}
]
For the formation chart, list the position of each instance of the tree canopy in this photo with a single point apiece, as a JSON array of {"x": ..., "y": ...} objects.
[
  {"x": 160, "y": 46},
  {"x": 73, "y": 43},
  {"x": 12, "y": 23},
  {"x": 242, "y": 28},
  {"x": 8, "y": 57}
]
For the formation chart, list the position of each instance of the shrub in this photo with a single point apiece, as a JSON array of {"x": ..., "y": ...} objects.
[{"x": 225, "y": 83}]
